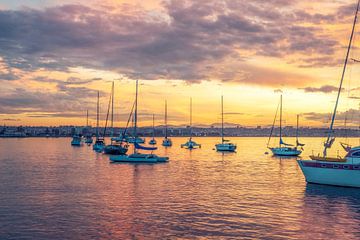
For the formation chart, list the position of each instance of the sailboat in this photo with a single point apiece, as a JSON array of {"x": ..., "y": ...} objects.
[
  {"x": 88, "y": 137},
  {"x": 338, "y": 171},
  {"x": 284, "y": 149},
  {"x": 99, "y": 141},
  {"x": 137, "y": 157},
  {"x": 76, "y": 140},
  {"x": 190, "y": 144},
  {"x": 153, "y": 141},
  {"x": 166, "y": 141},
  {"x": 225, "y": 145},
  {"x": 115, "y": 147}
]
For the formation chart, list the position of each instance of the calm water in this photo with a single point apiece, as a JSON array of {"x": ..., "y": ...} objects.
[{"x": 50, "y": 190}]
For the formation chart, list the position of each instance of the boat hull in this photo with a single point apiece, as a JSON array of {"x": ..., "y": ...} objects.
[
  {"x": 115, "y": 150},
  {"x": 281, "y": 151},
  {"x": 139, "y": 158},
  {"x": 225, "y": 147},
  {"x": 167, "y": 143},
  {"x": 331, "y": 173}
]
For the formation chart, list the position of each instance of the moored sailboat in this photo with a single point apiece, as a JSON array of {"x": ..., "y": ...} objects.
[
  {"x": 115, "y": 147},
  {"x": 137, "y": 157},
  {"x": 166, "y": 141},
  {"x": 153, "y": 141},
  {"x": 88, "y": 137},
  {"x": 99, "y": 141},
  {"x": 338, "y": 171},
  {"x": 190, "y": 144},
  {"x": 225, "y": 145},
  {"x": 284, "y": 149}
]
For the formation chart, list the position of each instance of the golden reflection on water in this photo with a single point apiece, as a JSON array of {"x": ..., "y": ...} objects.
[{"x": 50, "y": 189}]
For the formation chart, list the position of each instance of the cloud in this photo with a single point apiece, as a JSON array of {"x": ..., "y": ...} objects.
[
  {"x": 322, "y": 89},
  {"x": 180, "y": 41},
  {"x": 351, "y": 116}
]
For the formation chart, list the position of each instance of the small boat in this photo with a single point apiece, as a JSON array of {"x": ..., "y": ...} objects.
[
  {"x": 99, "y": 145},
  {"x": 135, "y": 140},
  {"x": 166, "y": 141},
  {"x": 190, "y": 144},
  {"x": 153, "y": 141},
  {"x": 76, "y": 140},
  {"x": 337, "y": 171},
  {"x": 99, "y": 141},
  {"x": 116, "y": 148},
  {"x": 137, "y": 157},
  {"x": 88, "y": 137},
  {"x": 225, "y": 145},
  {"x": 88, "y": 140},
  {"x": 284, "y": 149}
]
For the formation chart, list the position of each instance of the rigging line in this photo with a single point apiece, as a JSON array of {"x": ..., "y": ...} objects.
[
  {"x": 107, "y": 115},
  {"x": 129, "y": 119},
  {"x": 329, "y": 138},
  {"x": 273, "y": 125}
]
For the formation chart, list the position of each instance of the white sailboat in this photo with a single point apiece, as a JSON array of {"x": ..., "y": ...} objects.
[
  {"x": 88, "y": 137},
  {"x": 137, "y": 157},
  {"x": 225, "y": 145},
  {"x": 76, "y": 140},
  {"x": 99, "y": 141},
  {"x": 338, "y": 171},
  {"x": 166, "y": 141},
  {"x": 153, "y": 141},
  {"x": 190, "y": 144},
  {"x": 115, "y": 147},
  {"x": 284, "y": 149}
]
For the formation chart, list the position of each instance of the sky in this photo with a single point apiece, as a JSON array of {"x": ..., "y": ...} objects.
[{"x": 56, "y": 55}]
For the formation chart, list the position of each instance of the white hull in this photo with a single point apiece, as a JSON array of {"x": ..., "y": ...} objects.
[
  {"x": 152, "y": 142},
  {"x": 137, "y": 140},
  {"x": 76, "y": 141},
  {"x": 225, "y": 147},
  {"x": 167, "y": 142},
  {"x": 330, "y": 173},
  {"x": 98, "y": 147},
  {"x": 138, "y": 158},
  {"x": 285, "y": 151},
  {"x": 190, "y": 145}
]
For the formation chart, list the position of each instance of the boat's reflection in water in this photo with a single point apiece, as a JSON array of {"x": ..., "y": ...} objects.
[{"x": 330, "y": 212}]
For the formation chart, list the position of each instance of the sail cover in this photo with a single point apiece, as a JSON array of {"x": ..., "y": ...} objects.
[
  {"x": 283, "y": 143},
  {"x": 138, "y": 146}
]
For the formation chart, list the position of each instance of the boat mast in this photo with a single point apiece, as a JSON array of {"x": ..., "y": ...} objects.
[
  {"x": 190, "y": 119},
  {"x": 280, "y": 120},
  {"x": 135, "y": 115},
  {"x": 165, "y": 119},
  {"x": 297, "y": 128},
  {"x": 222, "y": 119},
  {"x": 330, "y": 139},
  {"x": 112, "y": 109},
  {"x": 87, "y": 117},
  {"x": 97, "y": 116},
  {"x": 153, "y": 126}
]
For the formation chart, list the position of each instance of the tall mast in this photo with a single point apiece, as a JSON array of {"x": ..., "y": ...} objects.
[
  {"x": 153, "y": 126},
  {"x": 165, "y": 119},
  {"x": 87, "y": 117},
  {"x": 222, "y": 119},
  {"x": 112, "y": 109},
  {"x": 97, "y": 116},
  {"x": 297, "y": 128},
  {"x": 280, "y": 120},
  {"x": 190, "y": 118},
  {"x": 135, "y": 115},
  {"x": 329, "y": 139}
]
